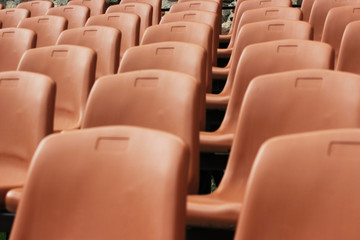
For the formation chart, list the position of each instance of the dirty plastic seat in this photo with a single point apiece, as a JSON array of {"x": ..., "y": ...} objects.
[
  {"x": 36, "y": 8},
  {"x": 320, "y": 10},
  {"x": 156, "y": 8},
  {"x": 127, "y": 23},
  {"x": 181, "y": 57},
  {"x": 335, "y": 24},
  {"x": 252, "y": 33},
  {"x": 148, "y": 98},
  {"x": 184, "y": 32},
  {"x": 113, "y": 181},
  {"x": 13, "y": 43},
  {"x": 96, "y": 6},
  {"x": 47, "y": 28},
  {"x": 143, "y": 10},
  {"x": 304, "y": 185},
  {"x": 76, "y": 15},
  {"x": 73, "y": 70},
  {"x": 105, "y": 41},
  {"x": 200, "y": 17},
  {"x": 27, "y": 105},
  {"x": 276, "y": 104},
  {"x": 12, "y": 16}
]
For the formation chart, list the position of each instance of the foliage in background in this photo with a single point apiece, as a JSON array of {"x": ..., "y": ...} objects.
[{"x": 2, "y": 236}]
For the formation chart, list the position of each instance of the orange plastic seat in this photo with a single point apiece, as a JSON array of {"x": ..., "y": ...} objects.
[
  {"x": 26, "y": 103},
  {"x": 47, "y": 28},
  {"x": 13, "y": 43},
  {"x": 245, "y": 6},
  {"x": 36, "y": 8},
  {"x": 96, "y": 6},
  {"x": 184, "y": 32},
  {"x": 210, "y": 6},
  {"x": 276, "y": 104},
  {"x": 251, "y": 33},
  {"x": 335, "y": 24},
  {"x": 76, "y": 15},
  {"x": 73, "y": 70},
  {"x": 143, "y": 10},
  {"x": 112, "y": 180},
  {"x": 127, "y": 23},
  {"x": 1, "y": 6},
  {"x": 304, "y": 185},
  {"x": 349, "y": 54},
  {"x": 320, "y": 10},
  {"x": 181, "y": 57},
  {"x": 105, "y": 41},
  {"x": 306, "y": 7},
  {"x": 147, "y": 98},
  {"x": 11, "y": 17},
  {"x": 156, "y": 8},
  {"x": 201, "y": 17}
]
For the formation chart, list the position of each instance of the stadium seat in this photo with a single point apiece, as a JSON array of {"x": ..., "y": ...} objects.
[
  {"x": 11, "y": 17},
  {"x": 47, "y": 28},
  {"x": 173, "y": 56},
  {"x": 73, "y": 70},
  {"x": 13, "y": 43},
  {"x": 245, "y": 6},
  {"x": 96, "y": 6},
  {"x": 184, "y": 32},
  {"x": 201, "y": 17},
  {"x": 147, "y": 98},
  {"x": 127, "y": 23},
  {"x": 105, "y": 41},
  {"x": 114, "y": 183},
  {"x": 335, "y": 24},
  {"x": 306, "y": 7},
  {"x": 143, "y": 10},
  {"x": 76, "y": 15},
  {"x": 156, "y": 8},
  {"x": 349, "y": 54},
  {"x": 36, "y": 8},
  {"x": 251, "y": 33},
  {"x": 320, "y": 10},
  {"x": 27, "y": 105},
  {"x": 276, "y": 104},
  {"x": 304, "y": 185}
]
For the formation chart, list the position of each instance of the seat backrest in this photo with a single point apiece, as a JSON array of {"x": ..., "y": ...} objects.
[
  {"x": 12, "y": 16},
  {"x": 209, "y": 18},
  {"x": 73, "y": 70},
  {"x": 36, "y": 8},
  {"x": 264, "y": 31},
  {"x": 254, "y": 4},
  {"x": 173, "y": 56},
  {"x": 209, "y": 6},
  {"x": 76, "y": 15},
  {"x": 320, "y": 10},
  {"x": 269, "y": 13},
  {"x": 105, "y": 41},
  {"x": 184, "y": 32},
  {"x": 285, "y": 103},
  {"x": 47, "y": 28},
  {"x": 13, "y": 43},
  {"x": 156, "y": 8},
  {"x": 112, "y": 180},
  {"x": 276, "y": 56},
  {"x": 26, "y": 105},
  {"x": 96, "y": 6},
  {"x": 127, "y": 23},
  {"x": 349, "y": 53},
  {"x": 306, "y": 7},
  {"x": 304, "y": 185},
  {"x": 143, "y": 10},
  {"x": 148, "y": 98},
  {"x": 335, "y": 24}
]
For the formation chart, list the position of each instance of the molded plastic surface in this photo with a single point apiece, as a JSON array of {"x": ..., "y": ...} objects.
[
  {"x": 156, "y": 8},
  {"x": 96, "y": 6},
  {"x": 75, "y": 14},
  {"x": 36, "y": 8},
  {"x": 11, "y": 17}
]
